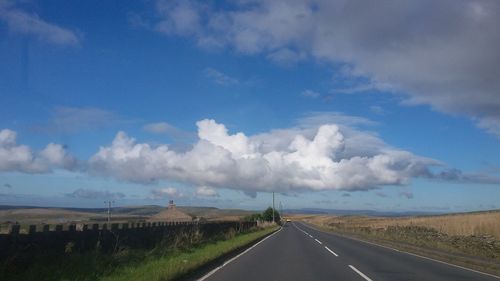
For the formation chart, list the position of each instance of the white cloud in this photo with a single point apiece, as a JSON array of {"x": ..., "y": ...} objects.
[
  {"x": 21, "y": 158},
  {"x": 179, "y": 17},
  {"x": 219, "y": 77},
  {"x": 66, "y": 119},
  {"x": 206, "y": 191},
  {"x": 164, "y": 193},
  {"x": 407, "y": 194},
  {"x": 447, "y": 58},
  {"x": 286, "y": 56},
  {"x": 23, "y": 22},
  {"x": 83, "y": 193},
  {"x": 310, "y": 94},
  {"x": 323, "y": 157},
  {"x": 377, "y": 110},
  {"x": 158, "y": 128},
  {"x": 176, "y": 134}
]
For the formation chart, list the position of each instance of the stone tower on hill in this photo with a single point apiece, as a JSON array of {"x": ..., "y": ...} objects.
[{"x": 171, "y": 213}]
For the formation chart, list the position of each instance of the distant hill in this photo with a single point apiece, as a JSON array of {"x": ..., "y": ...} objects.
[
  {"x": 320, "y": 211},
  {"x": 32, "y": 214},
  {"x": 52, "y": 215}
]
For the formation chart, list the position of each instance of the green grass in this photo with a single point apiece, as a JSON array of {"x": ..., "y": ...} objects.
[
  {"x": 180, "y": 263},
  {"x": 163, "y": 262}
]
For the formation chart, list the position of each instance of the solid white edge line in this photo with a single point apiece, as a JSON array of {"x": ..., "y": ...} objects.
[
  {"x": 239, "y": 255},
  {"x": 360, "y": 273},
  {"x": 411, "y": 254},
  {"x": 318, "y": 241},
  {"x": 333, "y": 253}
]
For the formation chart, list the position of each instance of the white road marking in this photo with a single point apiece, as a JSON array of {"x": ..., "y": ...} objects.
[
  {"x": 412, "y": 254},
  {"x": 360, "y": 273},
  {"x": 318, "y": 241},
  {"x": 311, "y": 236},
  {"x": 333, "y": 253},
  {"x": 239, "y": 255}
]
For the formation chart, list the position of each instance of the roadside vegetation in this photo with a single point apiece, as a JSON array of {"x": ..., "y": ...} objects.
[
  {"x": 266, "y": 216},
  {"x": 180, "y": 263},
  {"x": 164, "y": 262},
  {"x": 469, "y": 239}
]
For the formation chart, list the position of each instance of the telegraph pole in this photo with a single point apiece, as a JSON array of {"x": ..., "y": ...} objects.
[
  {"x": 273, "y": 208},
  {"x": 281, "y": 210},
  {"x": 109, "y": 209}
]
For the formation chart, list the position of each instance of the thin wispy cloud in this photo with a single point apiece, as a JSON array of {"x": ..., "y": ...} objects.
[
  {"x": 164, "y": 193},
  {"x": 310, "y": 94},
  {"x": 164, "y": 128},
  {"x": 67, "y": 119},
  {"x": 22, "y": 22},
  {"x": 84, "y": 193},
  {"x": 219, "y": 78},
  {"x": 377, "y": 110},
  {"x": 406, "y": 194},
  {"x": 206, "y": 191},
  {"x": 286, "y": 57}
]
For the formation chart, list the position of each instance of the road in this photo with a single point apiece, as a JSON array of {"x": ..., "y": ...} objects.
[{"x": 300, "y": 252}]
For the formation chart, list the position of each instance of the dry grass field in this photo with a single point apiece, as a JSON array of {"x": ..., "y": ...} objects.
[
  {"x": 467, "y": 239},
  {"x": 462, "y": 224},
  {"x": 42, "y": 215}
]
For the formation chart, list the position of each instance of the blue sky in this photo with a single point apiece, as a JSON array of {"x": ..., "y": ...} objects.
[{"x": 222, "y": 103}]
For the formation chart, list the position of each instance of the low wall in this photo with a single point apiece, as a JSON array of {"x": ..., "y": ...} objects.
[{"x": 59, "y": 239}]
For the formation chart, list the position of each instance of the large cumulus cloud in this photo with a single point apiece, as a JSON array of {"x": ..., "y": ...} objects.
[
  {"x": 441, "y": 53},
  {"x": 21, "y": 158},
  {"x": 323, "y": 157}
]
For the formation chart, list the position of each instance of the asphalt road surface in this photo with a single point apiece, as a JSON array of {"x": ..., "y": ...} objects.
[{"x": 300, "y": 252}]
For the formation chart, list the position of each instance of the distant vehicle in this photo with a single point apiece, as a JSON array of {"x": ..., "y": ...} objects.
[{"x": 288, "y": 220}]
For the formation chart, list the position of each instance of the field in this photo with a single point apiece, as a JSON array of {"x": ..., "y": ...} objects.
[
  {"x": 35, "y": 215},
  {"x": 469, "y": 239},
  {"x": 463, "y": 224}
]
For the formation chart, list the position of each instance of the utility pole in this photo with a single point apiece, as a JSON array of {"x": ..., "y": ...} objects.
[
  {"x": 273, "y": 208},
  {"x": 109, "y": 209},
  {"x": 281, "y": 210}
]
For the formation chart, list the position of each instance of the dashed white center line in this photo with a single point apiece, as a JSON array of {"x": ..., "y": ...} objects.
[
  {"x": 333, "y": 253},
  {"x": 310, "y": 235},
  {"x": 318, "y": 241},
  {"x": 360, "y": 273}
]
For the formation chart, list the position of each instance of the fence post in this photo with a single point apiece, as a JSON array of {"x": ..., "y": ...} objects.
[
  {"x": 14, "y": 229},
  {"x": 32, "y": 229}
]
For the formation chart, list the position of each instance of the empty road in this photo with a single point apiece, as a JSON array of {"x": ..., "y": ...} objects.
[{"x": 300, "y": 252}]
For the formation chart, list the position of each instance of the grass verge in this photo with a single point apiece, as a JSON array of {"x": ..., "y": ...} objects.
[{"x": 180, "y": 263}]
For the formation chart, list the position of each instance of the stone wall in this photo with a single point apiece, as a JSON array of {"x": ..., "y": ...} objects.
[{"x": 60, "y": 239}]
